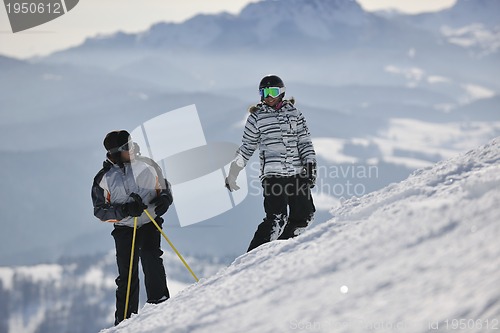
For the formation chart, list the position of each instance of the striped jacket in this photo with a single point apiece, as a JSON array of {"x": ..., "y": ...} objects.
[{"x": 283, "y": 139}]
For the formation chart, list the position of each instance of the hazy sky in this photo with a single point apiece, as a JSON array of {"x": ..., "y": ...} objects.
[{"x": 93, "y": 17}]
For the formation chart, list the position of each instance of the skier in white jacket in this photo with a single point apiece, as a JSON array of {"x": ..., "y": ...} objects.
[{"x": 126, "y": 186}]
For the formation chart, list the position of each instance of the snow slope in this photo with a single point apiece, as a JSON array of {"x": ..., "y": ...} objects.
[{"x": 414, "y": 256}]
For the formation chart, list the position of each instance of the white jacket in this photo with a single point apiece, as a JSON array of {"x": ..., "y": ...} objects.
[{"x": 112, "y": 188}]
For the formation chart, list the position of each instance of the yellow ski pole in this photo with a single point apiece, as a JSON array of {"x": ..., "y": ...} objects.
[
  {"x": 171, "y": 245},
  {"x": 130, "y": 269}
]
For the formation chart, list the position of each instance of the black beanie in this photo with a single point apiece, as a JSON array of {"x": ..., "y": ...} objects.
[{"x": 116, "y": 139}]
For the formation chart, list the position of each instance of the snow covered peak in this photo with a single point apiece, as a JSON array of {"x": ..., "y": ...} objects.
[
  {"x": 408, "y": 258},
  {"x": 476, "y": 11},
  {"x": 330, "y": 11},
  {"x": 465, "y": 12},
  {"x": 484, "y": 4},
  {"x": 316, "y": 19},
  {"x": 280, "y": 7},
  {"x": 197, "y": 32},
  {"x": 269, "y": 20},
  {"x": 264, "y": 21}
]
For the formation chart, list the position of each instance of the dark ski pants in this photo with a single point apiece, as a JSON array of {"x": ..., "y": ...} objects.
[
  {"x": 289, "y": 209},
  {"x": 147, "y": 247}
]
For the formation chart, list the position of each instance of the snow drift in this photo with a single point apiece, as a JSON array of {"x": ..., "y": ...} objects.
[{"x": 415, "y": 256}]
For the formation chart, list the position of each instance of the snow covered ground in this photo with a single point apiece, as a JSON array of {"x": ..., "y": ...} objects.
[{"x": 416, "y": 256}]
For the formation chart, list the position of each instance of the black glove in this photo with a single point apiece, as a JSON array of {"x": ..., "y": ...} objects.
[
  {"x": 310, "y": 174},
  {"x": 133, "y": 208},
  {"x": 162, "y": 203},
  {"x": 159, "y": 220}
]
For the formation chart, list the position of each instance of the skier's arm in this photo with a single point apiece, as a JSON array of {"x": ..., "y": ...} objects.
[
  {"x": 305, "y": 146},
  {"x": 104, "y": 210},
  {"x": 250, "y": 141}
]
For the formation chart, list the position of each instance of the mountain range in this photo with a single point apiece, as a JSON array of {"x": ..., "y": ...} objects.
[
  {"x": 393, "y": 92},
  {"x": 384, "y": 94},
  {"x": 77, "y": 294}
]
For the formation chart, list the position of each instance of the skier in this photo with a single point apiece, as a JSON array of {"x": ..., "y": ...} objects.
[
  {"x": 287, "y": 160},
  {"x": 119, "y": 192}
]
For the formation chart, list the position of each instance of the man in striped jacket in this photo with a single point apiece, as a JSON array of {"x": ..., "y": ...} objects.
[{"x": 287, "y": 160}]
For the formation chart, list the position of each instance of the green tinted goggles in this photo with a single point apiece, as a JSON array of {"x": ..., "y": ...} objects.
[{"x": 271, "y": 91}]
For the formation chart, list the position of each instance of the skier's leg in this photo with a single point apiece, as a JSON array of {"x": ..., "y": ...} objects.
[
  {"x": 301, "y": 209},
  {"x": 152, "y": 264},
  {"x": 123, "y": 244},
  {"x": 275, "y": 206}
]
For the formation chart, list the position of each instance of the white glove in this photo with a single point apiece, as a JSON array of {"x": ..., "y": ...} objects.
[{"x": 234, "y": 170}]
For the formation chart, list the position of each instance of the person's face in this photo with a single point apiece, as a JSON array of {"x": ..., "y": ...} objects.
[
  {"x": 272, "y": 101},
  {"x": 128, "y": 155}
]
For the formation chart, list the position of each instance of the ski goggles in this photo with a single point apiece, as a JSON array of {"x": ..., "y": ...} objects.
[
  {"x": 271, "y": 91},
  {"x": 128, "y": 146}
]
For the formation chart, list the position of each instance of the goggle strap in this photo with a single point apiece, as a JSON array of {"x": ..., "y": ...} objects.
[{"x": 120, "y": 149}]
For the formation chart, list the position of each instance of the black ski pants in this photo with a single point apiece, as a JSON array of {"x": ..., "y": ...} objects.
[
  {"x": 289, "y": 209},
  {"x": 147, "y": 248}
]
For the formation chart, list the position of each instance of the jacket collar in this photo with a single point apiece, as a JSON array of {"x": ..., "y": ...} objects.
[{"x": 263, "y": 107}]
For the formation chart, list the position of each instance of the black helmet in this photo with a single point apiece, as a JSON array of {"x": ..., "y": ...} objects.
[
  {"x": 115, "y": 140},
  {"x": 271, "y": 81}
]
